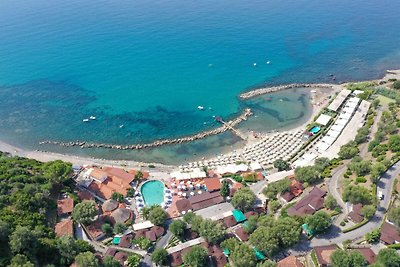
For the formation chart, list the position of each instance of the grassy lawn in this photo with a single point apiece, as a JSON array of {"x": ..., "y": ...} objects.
[{"x": 385, "y": 100}]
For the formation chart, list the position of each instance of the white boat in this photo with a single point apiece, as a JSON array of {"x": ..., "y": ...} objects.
[
  {"x": 200, "y": 107},
  {"x": 121, "y": 126},
  {"x": 85, "y": 120},
  {"x": 268, "y": 62},
  {"x": 254, "y": 64},
  {"x": 92, "y": 117}
]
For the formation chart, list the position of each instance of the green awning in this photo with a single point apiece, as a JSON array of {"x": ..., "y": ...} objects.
[
  {"x": 116, "y": 240},
  {"x": 239, "y": 216},
  {"x": 307, "y": 230},
  {"x": 226, "y": 252},
  {"x": 259, "y": 255}
]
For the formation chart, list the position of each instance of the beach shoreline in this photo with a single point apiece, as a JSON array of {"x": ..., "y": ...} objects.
[{"x": 44, "y": 156}]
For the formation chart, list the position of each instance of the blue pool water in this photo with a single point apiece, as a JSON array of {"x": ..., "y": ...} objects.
[
  {"x": 147, "y": 65},
  {"x": 315, "y": 129},
  {"x": 153, "y": 192}
]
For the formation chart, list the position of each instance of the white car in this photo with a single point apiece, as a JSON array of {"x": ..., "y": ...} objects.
[{"x": 380, "y": 195}]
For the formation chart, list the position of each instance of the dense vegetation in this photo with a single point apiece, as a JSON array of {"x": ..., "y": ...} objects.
[{"x": 28, "y": 193}]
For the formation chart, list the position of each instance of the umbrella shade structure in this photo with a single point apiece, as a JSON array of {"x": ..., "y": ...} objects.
[
  {"x": 192, "y": 193},
  {"x": 199, "y": 192},
  {"x": 121, "y": 215},
  {"x": 179, "y": 193},
  {"x": 109, "y": 205},
  {"x": 184, "y": 194}
]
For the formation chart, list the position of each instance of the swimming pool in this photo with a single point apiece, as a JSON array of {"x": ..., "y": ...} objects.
[
  {"x": 315, "y": 129},
  {"x": 153, "y": 192}
]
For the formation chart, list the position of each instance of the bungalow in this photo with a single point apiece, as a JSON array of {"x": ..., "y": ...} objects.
[
  {"x": 323, "y": 254},
  {"x": 212, "y": 184},
  {"x": 313, "y": 202},
  {"x": 65, "y": 227},
  {"x": 290, "y": 261},
  {"x": 368, "y": 254},
  {"x": 295, "y": 189},
  {"x": 389, "y": 234},
  {"x": 241, "y": 234},
  {"x": 355, "y": 213},
  {"x": 65, "y": 206}
]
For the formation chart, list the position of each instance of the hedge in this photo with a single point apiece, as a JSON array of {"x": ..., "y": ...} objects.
[
  {"x": 395, "y": 246},
  {"x": 365, "y": 221}
]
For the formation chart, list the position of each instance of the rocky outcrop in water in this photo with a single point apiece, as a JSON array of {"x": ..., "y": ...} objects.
[{"x": 245, "y": 114}]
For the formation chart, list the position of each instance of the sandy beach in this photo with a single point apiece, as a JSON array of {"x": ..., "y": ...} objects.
[{"x": 319, "y": 99}]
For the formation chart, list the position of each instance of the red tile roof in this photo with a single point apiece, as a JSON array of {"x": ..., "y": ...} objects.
[
  {"x": 389, "y": 234},
  {"x": 65, "y": 227},
  {"x": 324, "y": 253},
  {"x": 309, "y": 204},
  {"x": 176, "y": 259},
  {"x": 212, "y": 184},
  {"x": 146, "y": 175},
  {"x": 125, "y": 241},
  {"x": 242, "y": 234},
  {"x": 65, "y": 206},
  {"x": 368, "y": 254},
  {"x": 120, "y": 174},
  {"x": 290, "y": 261},
  {"x": 85, "y": 195},
  {"x": 229, "y": 221},
  {"x": 151, "y": 235},
  {"x": 355, "y": 215}
]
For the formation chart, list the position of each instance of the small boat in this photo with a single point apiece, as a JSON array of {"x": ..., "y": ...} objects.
[
  {"x": 121, "y": 126},
  {"x": 200, "y": 107},
  {"x": 268, "y": 62},
  {"x": 85, "y": 120},
  {"x": 254, "y": 64},
  {"x": 92, "y": 117}
]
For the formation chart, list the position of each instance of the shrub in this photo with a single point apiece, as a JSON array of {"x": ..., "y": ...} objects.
[
  {"x": 361, "y": 179},
  {"x": 396, "y": 85}
]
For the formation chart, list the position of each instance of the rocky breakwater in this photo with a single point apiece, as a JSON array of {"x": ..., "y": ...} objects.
[
  {"x": 267, "y": 90},
  {"x": 242, "y": 117}
]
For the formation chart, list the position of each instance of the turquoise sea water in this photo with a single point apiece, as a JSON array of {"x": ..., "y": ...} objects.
[
  {"x": 153, "y": 192},
  {"x": 147, "y": 65}
]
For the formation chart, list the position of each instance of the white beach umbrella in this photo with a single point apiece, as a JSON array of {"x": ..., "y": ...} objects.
[
  {"x": 184, "y": 194},
  {"x": 199, "y": 192},
  {"x": 192, "y": 193},
  {"x": 179, "y": 193}
]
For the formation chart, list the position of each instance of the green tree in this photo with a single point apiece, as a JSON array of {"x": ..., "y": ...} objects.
[
  {"x": 83, "y": 246},
  {"x": 357, "y": 194},
  {"x": 188, "y": 217},
  {"x": 373, "y": 236},
  {"x": 341, "y": 258},
  {"x": 274, "y": 205},
  {"x": 396, "y": 84},
  {"x": 330, "y": 202},
  {"x": 368, "y": 211},
  {"x": 196, "y": 257},
  {"x": 319, "y": 222},
  {"x": 281, "y": 165},
  {"x": 177, "y": 228},
  {"x": 67, "y": 249},
  {"x": 322, "y": 163},
  {"x": 388, "y": 257},
  {"x": 243, "y": 256},
  {"x": 288, "y": 230},
  {"x": 394, "y": 143},
  {"x": 159, "y": 256},
  {"x": 144, "y": 243},
  {"x": 377, "y": 170},
  {"x": 84, "y": 212},
  {"x": 5, "y": 232},
  {"x": 86, "y": 259},
  {"x": 20, "y": 260},
  {"x": 107, "y": 229},
  {"x": 134, "y": 260},
  {"x": 267, "y": 263},
  {"x": 157, "y": 215},
  {"x": 57, "y": 171},
  {"x": 138, "y": 176},
  {"x": 119, "y": 228},
  {"x": 266, "y": 240},
  {"x": 109, "y": 261},
  {"x": 117, "y": 197},
  {"x": 361, "y": 168},
  {"x": 211, "y": 230},
  {"x": 225, "y": 189},
  {"x": 307, "y": 174},
  {"x": 348, "y": 151},
  {"x": 244, "y": 199},
  {"x": 23, "y": 241},
  {"x": 272, "y": 190},
  {"x": 394, "y": 216},
  {"x": 251, "y": 224}
]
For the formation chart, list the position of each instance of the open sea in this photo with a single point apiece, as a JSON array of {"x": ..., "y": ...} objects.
[{"x": 147, "y": 65}]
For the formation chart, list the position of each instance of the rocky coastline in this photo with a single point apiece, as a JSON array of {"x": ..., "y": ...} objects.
[{"x": 232, "y": 123}]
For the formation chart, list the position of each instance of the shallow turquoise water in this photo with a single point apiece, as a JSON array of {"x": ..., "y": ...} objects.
[
  {"x": 148, "y": 65},
  {"x": 153, "y": 192}
]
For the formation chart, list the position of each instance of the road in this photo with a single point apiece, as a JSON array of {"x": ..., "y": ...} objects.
[
  {"x": 385, "y": 185},
  {"x": 333, "y": 187}
]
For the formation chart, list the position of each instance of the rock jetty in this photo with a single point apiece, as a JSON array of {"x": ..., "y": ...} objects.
[
  {"x": 267, "y": 90},
  {"x": 242, "y": 117}
]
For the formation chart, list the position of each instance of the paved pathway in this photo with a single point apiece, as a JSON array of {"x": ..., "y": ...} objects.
[{"x": 333, "y": 188}]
